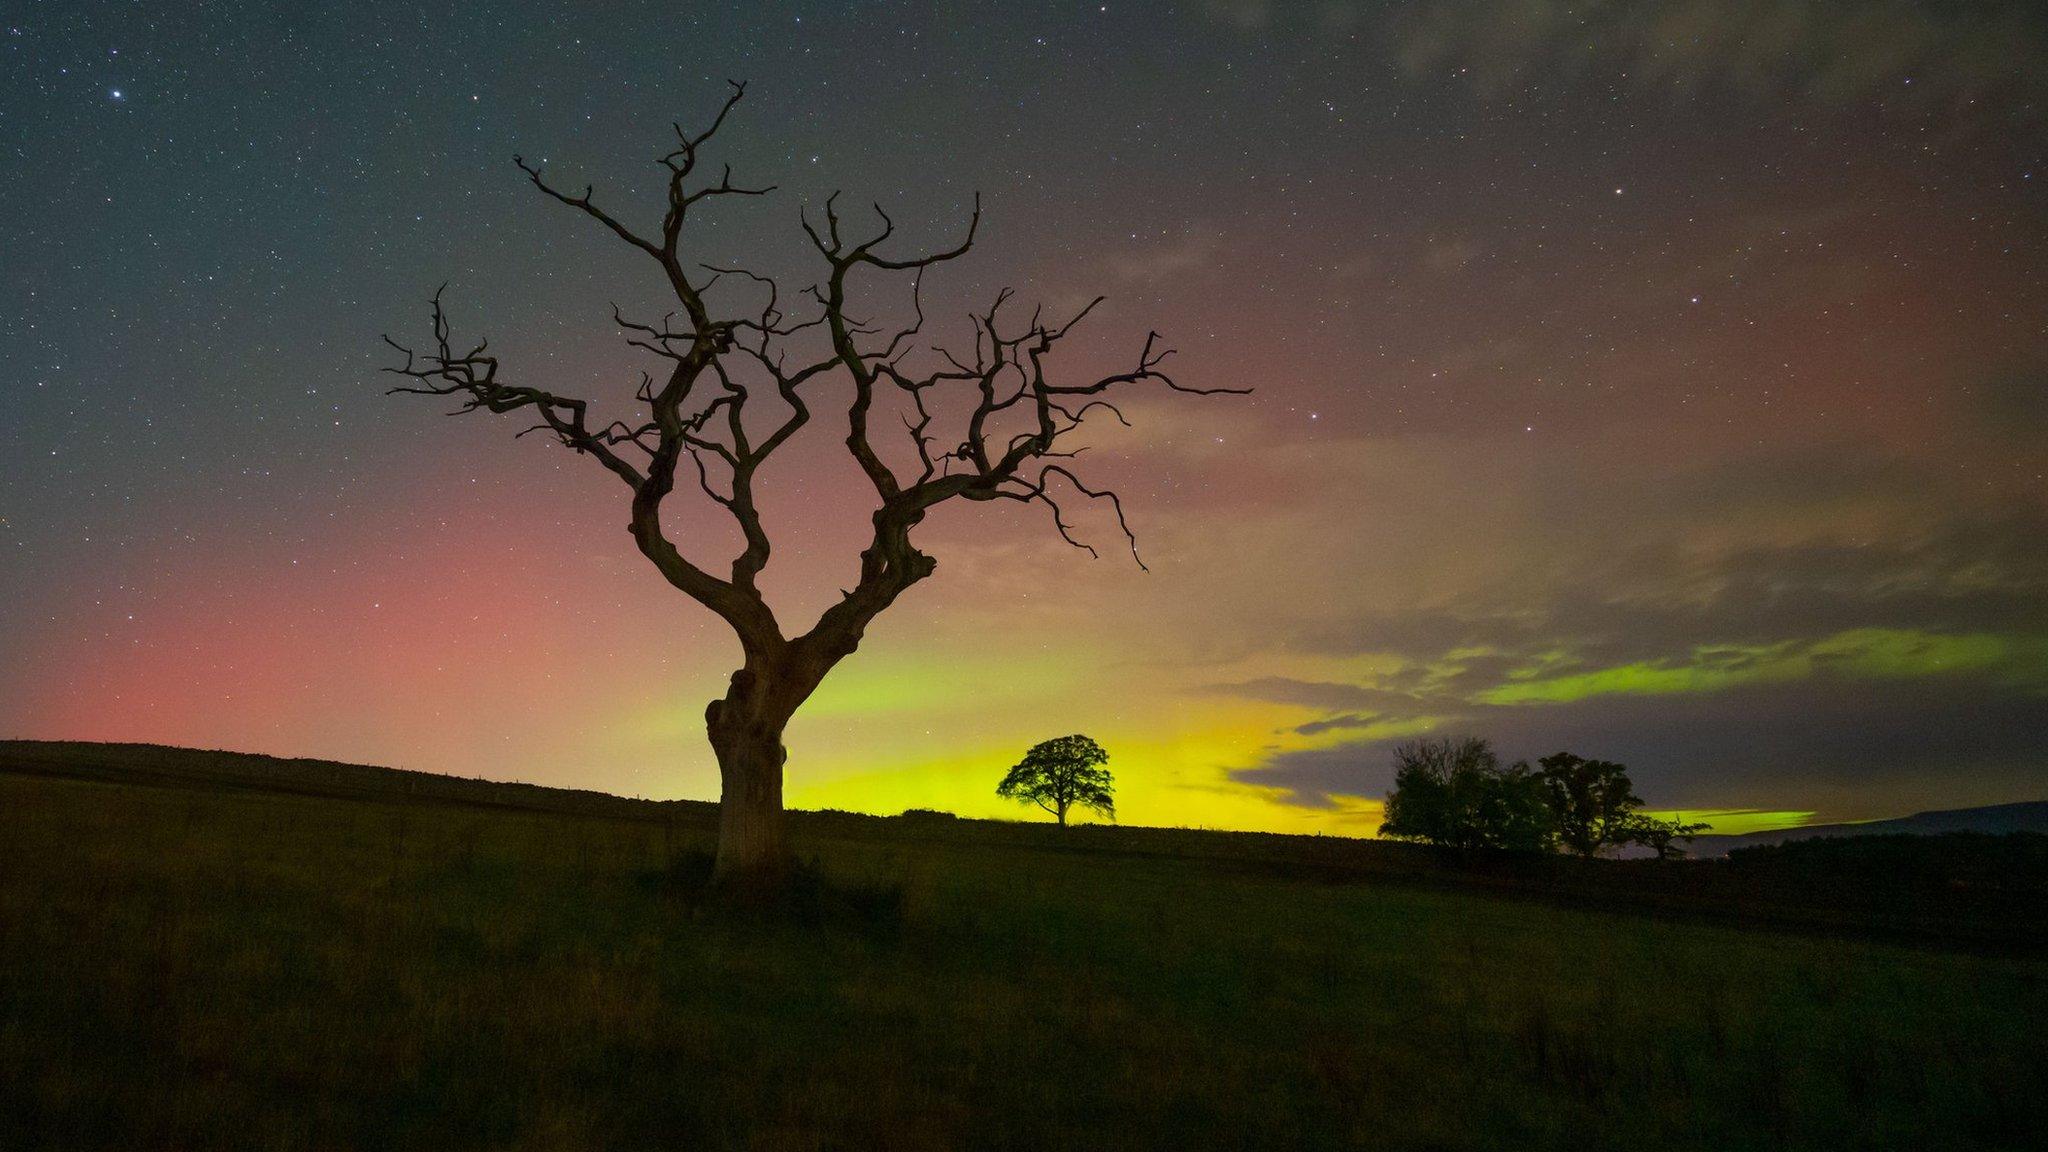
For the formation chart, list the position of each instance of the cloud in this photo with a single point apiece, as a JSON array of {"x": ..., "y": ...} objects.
[
  {"x": 1357, "y": 266},
  {"x": 1767, "y": 632},
  {"x": 1717, "y": 607},
  {"x": 1337, "y": 723},
  {"x": 1317, "y": 694},
  {"x": 1749, "y": 550},
  {"x": 1254, "y": 16},
  {"x": 1819, "y": 52},
  {"x": 1248, "y": 15},
  {"x": 1813, "y": 50},
  {"x": 2008, "y": 662},
  {"x": 1444, "y": 257},
  {"x": 1157, "y": 261},
  {"x": 2013, "y": 406},
  {"x": 1854, "y": 748}
]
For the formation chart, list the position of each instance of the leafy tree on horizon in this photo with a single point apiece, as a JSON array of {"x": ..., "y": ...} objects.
[
  {"x": 1455, "y": 793},
  {"x": 1592, "y": 802},
  {"x": 1661, "y": 836},
  {"x": 1058, "y": 774},
  {"x": 1594, "y": 806},
  {"x": 737, "y": 378}
]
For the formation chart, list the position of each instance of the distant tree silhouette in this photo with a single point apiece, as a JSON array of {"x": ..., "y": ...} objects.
[
  {"x": 1592, "y": 802},
  {"x": 1059, "y": 774},
  {"x": 1454, "y": 792},
  {"x": 1594, "y": 806},
  {"x": 737, "y": 380},
  {"x": 1660, "y": 836}
]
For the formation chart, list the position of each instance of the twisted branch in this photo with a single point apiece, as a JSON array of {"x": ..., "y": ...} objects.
[{"x": 1009, "y": 446}]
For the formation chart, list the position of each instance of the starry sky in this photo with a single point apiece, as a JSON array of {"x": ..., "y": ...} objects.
[{"x": 1666, "y": 381}]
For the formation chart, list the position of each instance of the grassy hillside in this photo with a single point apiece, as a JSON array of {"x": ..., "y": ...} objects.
[
  {"x": 205, "y": 961},
  {"x": 155, "y": 764}
]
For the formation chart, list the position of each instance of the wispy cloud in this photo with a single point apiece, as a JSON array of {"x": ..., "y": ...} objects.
[
  {"x": 1152, "y": 260},
  {"x": 1818, "y": 52}
]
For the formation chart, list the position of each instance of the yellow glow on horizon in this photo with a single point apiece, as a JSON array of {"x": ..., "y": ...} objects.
[
  {"x": 933, "y": 721},
  {"x": 1735, "y": 821},
  {"x": 1169, "y": 776}
]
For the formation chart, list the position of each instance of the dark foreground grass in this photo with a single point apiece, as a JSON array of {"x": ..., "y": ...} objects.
[{"x": 193, "y": 968}]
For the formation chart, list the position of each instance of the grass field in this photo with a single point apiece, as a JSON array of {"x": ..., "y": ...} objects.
[{"x": 186, "y": 964}]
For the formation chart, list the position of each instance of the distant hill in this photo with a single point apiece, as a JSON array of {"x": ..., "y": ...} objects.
[
  {"x": 2030, "y": 816},
  {"x": 199, "y": 768}
]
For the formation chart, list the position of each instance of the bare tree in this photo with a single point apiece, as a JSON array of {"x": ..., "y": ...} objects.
[{"x": 721, "y": 370}]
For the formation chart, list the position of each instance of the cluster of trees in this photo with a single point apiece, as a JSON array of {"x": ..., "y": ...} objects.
[{"x": 1456, "y": 792}]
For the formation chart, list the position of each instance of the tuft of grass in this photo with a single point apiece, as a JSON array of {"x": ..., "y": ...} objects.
[{"x": 811, "y": 897}]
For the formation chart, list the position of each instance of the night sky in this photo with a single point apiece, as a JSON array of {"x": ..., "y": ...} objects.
[{"x": 1663, "y": 381}]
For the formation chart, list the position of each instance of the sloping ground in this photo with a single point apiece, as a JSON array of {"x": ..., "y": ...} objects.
[
  {"x": 155, "y": 764},
  {"x": 193, "y": 965},
  {"x": 1960, "y": 891}
]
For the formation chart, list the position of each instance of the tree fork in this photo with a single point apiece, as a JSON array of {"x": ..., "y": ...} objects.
[{"x": 720, "y": 360}]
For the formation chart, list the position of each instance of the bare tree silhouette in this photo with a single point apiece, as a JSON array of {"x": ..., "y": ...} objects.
[{"x": 720, "y": 369}]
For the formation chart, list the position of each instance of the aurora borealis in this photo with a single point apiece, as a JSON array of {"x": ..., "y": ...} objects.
[{"x": 1663, "y": 381}]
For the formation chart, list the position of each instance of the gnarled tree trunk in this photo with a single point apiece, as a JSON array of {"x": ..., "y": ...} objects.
[
  {"x": 746, "y": 725},
  {"x": 752, "y": 846},
  {"x": 745, "y": 728}
]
